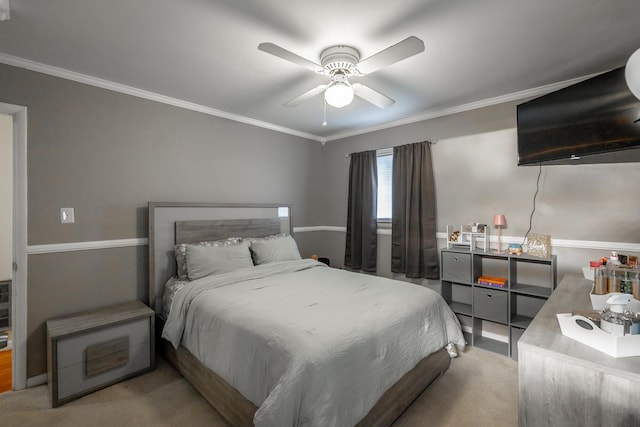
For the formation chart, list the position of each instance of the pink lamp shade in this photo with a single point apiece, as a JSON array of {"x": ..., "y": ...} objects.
[{"x": 499, "y": 220}]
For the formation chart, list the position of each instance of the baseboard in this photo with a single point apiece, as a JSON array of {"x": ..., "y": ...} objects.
[
  {"x": 487, "y": 334},
  {"x": 37, "y": 380}
]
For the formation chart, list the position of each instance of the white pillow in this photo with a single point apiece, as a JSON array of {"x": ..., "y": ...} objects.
[
  {"x": 208, "y": 260},
  {"x": 271, "y": 250}
]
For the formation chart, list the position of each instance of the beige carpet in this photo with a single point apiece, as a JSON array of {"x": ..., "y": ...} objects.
[{"x": 480, "y": 389}]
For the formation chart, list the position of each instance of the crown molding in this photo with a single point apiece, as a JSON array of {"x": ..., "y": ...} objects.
[
  {"x": 435, "y": 113},
  {"x": 140, "y": 93},
  {"x": 152, "y": 96}
]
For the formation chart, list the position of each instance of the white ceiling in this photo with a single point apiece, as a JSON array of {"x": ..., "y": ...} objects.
[{"x": 203, "y": 53}]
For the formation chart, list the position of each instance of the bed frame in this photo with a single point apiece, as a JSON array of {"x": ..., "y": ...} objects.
[{"x": 174, "y": 223}]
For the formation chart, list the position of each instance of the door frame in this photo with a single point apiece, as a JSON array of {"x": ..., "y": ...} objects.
[{"x": 19, "y": 279}]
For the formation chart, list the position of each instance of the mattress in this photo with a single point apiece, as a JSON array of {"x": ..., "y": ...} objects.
[{"x": 309, "y": 345}]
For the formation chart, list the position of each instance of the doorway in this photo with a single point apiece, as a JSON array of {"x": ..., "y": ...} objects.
[
  {"x": 18, "y": 244},
  {"x": 6, "y": 249}
]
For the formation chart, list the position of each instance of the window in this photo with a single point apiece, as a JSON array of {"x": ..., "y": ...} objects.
[{"x": 384, "y": 164}]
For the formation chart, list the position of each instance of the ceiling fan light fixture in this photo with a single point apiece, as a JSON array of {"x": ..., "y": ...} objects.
[
  {"x": 340, "y": 62},
  {"x": 339, "y": 94}
]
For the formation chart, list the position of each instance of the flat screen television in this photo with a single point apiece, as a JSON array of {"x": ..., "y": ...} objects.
[{"x": 594, "y": 121}]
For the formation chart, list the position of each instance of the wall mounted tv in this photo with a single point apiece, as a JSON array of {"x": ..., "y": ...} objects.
[{"x": 594, "y": 121}]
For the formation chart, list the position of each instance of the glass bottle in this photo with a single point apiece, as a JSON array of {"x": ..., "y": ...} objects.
[
  {"x": 600, "y": 281},
  {"x": 635, "y": 285},
  {"x": 614, "y": 281},
  {"x": 613, "y": 319},
  {"x": 625, "y": 283}
]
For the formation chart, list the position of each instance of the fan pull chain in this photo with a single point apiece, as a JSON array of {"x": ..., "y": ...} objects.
[{"x": 324, "y": 114}]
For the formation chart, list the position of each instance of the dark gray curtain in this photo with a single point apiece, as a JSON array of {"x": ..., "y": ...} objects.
[
  {"x": 414, "y": 250},
  {"x": 361, "y": 248}
]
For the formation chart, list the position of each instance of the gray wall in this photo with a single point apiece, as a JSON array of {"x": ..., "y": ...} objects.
[
  {"x": 476, "y": 177},
  {"x": 107, "y": 155}
]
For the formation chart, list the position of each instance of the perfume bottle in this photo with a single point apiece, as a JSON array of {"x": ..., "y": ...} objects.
[
  {"x": 613, "y": 320},
  {"x": 635, "y": 285},
  {"x": 600, "y": 281},
  {"x": 625, "y": 283},
  {"x": 614, "y": 281}
]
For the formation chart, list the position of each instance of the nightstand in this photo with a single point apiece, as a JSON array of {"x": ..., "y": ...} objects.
[{"x": 93, "y": 349}]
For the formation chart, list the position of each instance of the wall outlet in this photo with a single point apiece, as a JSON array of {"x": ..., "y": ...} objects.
[{"x": 67, "y": 216}]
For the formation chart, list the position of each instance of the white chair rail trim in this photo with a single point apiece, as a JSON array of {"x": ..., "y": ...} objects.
[
  {"x": 85, "y": 246},
  {"x": 122, "y": 243}
]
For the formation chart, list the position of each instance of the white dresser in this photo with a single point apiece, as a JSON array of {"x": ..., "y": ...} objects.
[
  {"x": 93, "y": 349},
  {"x": 563, "y": 382}
]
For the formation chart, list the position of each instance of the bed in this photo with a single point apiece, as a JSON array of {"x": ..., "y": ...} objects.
[{"x": 256, "y": 342}]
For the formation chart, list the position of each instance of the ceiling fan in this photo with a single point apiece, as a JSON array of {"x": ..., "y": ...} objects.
[{"x": 340, "y": 63}]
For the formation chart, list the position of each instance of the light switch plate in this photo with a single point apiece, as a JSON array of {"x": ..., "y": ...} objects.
[{"x": 67, "y": 216}]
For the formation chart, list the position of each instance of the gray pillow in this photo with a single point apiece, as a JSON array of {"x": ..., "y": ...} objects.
[
  {"x": 180, "y": 252},
  {"x": 283, "y": 248},
  {"x": 271, "y": 237},
  {"x": 208, "y": 260}
]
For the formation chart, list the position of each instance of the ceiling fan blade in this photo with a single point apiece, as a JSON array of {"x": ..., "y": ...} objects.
[
  {"x": 396, "y": 53},
  {"x": 305, "y": 96},
  {"x": 280, "y": 52},
  {"x": 372, "y": 96}
]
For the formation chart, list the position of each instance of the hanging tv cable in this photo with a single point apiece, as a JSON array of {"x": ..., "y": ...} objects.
[{"x": 534, "y": 202}]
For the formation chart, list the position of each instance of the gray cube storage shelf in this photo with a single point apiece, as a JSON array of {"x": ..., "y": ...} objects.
[{"x": 530, "y": 281}]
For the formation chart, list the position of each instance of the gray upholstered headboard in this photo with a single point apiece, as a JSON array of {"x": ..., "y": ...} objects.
[{"x": 196, "y": 222}]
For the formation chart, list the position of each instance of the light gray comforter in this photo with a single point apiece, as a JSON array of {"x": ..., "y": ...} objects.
[{"x": 308, "y": 344}]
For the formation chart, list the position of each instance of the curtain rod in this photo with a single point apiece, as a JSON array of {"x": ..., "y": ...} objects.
[{"x": 431, "y": 142}]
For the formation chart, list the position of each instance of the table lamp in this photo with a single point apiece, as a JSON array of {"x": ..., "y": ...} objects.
[{"x": 499, "y": 221}]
